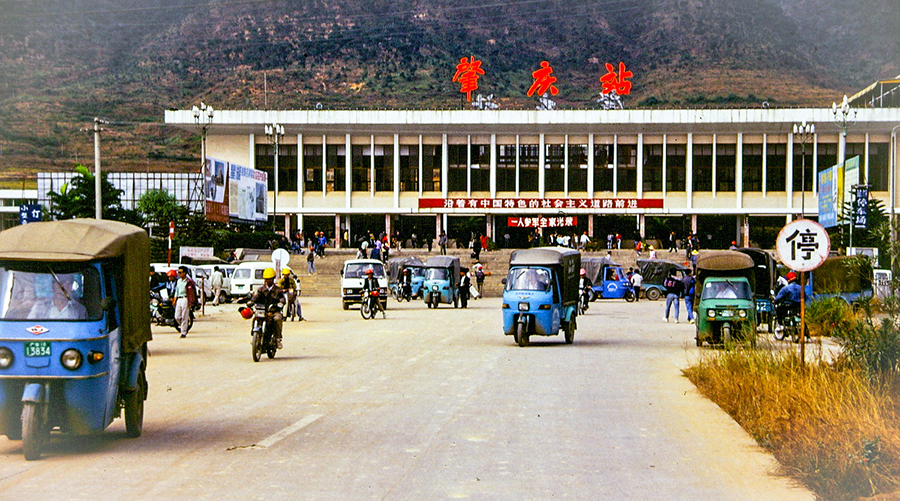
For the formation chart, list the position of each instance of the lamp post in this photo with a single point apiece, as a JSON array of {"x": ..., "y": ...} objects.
[
  {"x": 275, "y": 132},
  {"x": 203, "y": 117},
  {"x": 893, "y": 190},
  {"x": 98, "y": 185},
  {"x": 844, "y": 118},
  {"x": 805, "y": 132}
]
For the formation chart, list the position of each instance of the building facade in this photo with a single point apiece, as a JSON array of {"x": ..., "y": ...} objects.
[{"x": 724, "y": 174}]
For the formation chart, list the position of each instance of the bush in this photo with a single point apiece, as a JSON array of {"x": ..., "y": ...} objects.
[
  {"x": 829, "y": 317},
  {"x": 874, "y": 348}
]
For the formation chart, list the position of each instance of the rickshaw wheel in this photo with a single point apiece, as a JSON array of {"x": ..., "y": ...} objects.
[
  {"x": 653, "y": 294},
  {"x": 570, "y": 331},
  {"x": 257, "y": 349},
  {"x": 726, "y": 334},
  {"x": 33, "y": 433},
  {"x": 134, "y": 408},
  {"x": 521, "y": 335},
  {"x": 435, "y": 300}
]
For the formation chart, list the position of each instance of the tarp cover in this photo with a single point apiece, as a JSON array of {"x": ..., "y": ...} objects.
[
  {"x": 764, "y": 270},
  {"x": 83, "y": 240},
  {"x": 654, "y": 271},
  {"x": 723, "y": 260},
  {"x": 566, "y": 261},
  {"x": 451, "y": 262},
  {"x": 397, "y": 264},
  {"x": 593, "y": 267}
]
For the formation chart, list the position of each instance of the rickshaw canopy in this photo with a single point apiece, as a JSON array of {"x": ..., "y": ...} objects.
[
  {"x": 655, "y": 271},
  {"x": 593, "y": 267},
  {"x": 397, "y": 264},
  {"x": 763, "y": 270},
  {"x": 85, "y": 240},
  {"x": 449, "y": 262}
]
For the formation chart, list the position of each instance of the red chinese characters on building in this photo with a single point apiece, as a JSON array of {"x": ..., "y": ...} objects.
[
  {"x": 543, "y": 81},
  {"x": 467, "y": 73},
  {"x": 618, "y": 82},
  {"x": 554, "y": 204},
  {"x": 542, "y": 222}
]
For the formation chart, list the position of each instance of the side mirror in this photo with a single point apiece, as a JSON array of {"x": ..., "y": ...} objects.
[
  {"x": 503, "y": 281},
  {"x": 108, "y": 304},
  {"x": 342, "y": 272}
]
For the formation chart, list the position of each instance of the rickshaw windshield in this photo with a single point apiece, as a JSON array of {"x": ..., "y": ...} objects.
[
  {"x": 437, "y": 274},
  {"x": 726, "y": 289},
  {"x": 46, "y": 291},
  {"x": 415, "y": 271},
  {"x": 528, "y": 279}
]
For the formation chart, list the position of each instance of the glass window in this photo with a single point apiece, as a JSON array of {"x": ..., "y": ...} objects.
[
  {"x": 409, "y": 168},
  {"x": 627, "y": 168},
  {"x": 826, "y": 156},
  {"x": 358, "y": 270},
  {"x": 554, "y": 156},
  {"x": 384, "y": 167},
  {"x": 312, "y": 167},
  {"x": 702, "y": 167},
  {"x": 481, "y": 167},
  {"x": 437, "y": 274},
  {"x": 801, "y": 160},
  {"x": 506, "y": 167},
  {"x": 43, "y": 291},
  {"x": 529, "y": 157},
  {"x": 776, "y": 167},
  {"x": 457, "y": 180},
  {"x": 726, "y": 155},
  {"x": 676, "y": 167},
  {"x": 578, "y": 167},
  {"x": 752, "y": 167},
  {"x": 879, "y": 173},
  {"x": 360, "y": 168},
  {"x": 528, "y": 279},
  {"x": 287, "y": 165},
  {"x": 652, "y": 167},
  {"x": 334, "y": 170},
  {"x": 431, "y": 167},
  {"x": 726, "y": 289},
  {"x": 603, "y": 167}
]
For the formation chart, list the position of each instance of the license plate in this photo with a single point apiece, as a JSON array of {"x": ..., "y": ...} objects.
[{"x": 37, "y": 349}]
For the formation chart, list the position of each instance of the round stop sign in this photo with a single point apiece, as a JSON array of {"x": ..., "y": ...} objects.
[{"x": 803, "y": 245}]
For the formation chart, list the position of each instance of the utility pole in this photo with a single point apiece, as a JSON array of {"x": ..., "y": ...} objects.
[{"x": 98, "y": 205}]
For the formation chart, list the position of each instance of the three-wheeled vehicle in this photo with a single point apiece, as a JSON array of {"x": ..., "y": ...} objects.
[
  {"x": 416, "y": 268},
  {"x": 608, "y": 279},
  {"x": 540, "y": 293},
  {"x": 655, "y": 272},
  {"x": 441, "y": 284},
  {"x": 725, "y": 307},
  {"x": 764, "y": 271},
  {"x": 74, "y": 327}
]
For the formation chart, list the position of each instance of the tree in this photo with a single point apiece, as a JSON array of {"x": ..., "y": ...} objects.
[
  {"x": 159, "y": 207},
  {"x": 76, "y": 199}
]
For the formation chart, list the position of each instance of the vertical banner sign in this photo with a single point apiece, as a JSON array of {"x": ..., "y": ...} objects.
[
  {"x": 851, "y": 177},
  {"x": 861, "y": 207},
  {"x": 828, "y": 197}
]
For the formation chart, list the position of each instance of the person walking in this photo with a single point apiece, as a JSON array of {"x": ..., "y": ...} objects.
[
  {"x": 465, "y": 281},
  {"x": 674, "y": 291},
  {"x": 689, "y": 283},
  {"x": 311, "y": 261},
  {"x": 185, "y": 299},
  {"x": 637, "y": 282},
  {"x": 673, "y": 243},
  {"x": 479, "y": 279},
  {"x": 476, "y": 248},
  {"x": 216, "y": 281},
  {"x": 442, "y": 241},
  {"x": 584, "y": 241}
]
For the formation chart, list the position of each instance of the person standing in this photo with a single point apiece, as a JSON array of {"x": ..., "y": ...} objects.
[
  {"x": 442, "y": 241},
  {"x": 311, "y": 261},
  {"x": 585, "y": 240},
  {"x": 216, "y": 281},
  {"x": 479, "y": 279},
  {"x": 429, "y": 242},
  {"x": 185, "y": 299},
  {"x": 637, "y": 282},
  {"x": 674, "y": 291},
  {"x": 476, "y": 248},
  {"x": 689, "y": 283},
  {"x": 465, "y": 281}
]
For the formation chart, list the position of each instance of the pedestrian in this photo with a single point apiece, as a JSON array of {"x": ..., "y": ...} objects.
[
  {"x": 479, "y": 278},
  {"x": 733, "y": 245},
  {"x": 637, "y": 282},
  {"x": 673, "y": 243},
  {"x": 506, "y": 240},
  {"x": 652, "y": 252},
  {"x": 689, "y": 284},
  {"x": 618, "y": 241},
  {"x": 216, "y": 280},
  {"x": 609, "y": 240},
  {"x": 465, "y": 281},
  {"x": 476, "y": 248},
  {"x": 429, "y": 242},
  {"x": 694, "y": 254},
  {"x": 231, "y": 257},
  {"x": 637, "y": 247},
  {"x": 185, "y": 299},
  {"x": 311, "y": 261},
  {"x": 442, "y": 241},
  {"x": 674, "y": 291},
  {"x": 484, "y": 242},
  {"x": 585, "y": 240}
]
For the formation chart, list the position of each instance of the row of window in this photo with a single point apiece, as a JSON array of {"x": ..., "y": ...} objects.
[{"x": 615, "y": 167}]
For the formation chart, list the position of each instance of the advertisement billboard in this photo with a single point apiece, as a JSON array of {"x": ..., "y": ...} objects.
[{"x": 247, "y": 189}]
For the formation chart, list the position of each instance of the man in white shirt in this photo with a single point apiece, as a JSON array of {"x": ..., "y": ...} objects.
[
  {"x": 63, "y": 305},
  {"x": 637, "y": 281}
]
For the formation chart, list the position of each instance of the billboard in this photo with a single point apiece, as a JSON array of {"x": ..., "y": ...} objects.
[
  {"x": 829, "y": 196},
  {"x": 247, "y": 190},
  {"x": 850, "y": 178},
  {"x": 215, "y": 184}
]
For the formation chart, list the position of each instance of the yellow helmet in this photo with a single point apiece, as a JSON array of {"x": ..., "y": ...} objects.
[
  {"x": 286, "y": 271},
  {"x": 268, "y": 273}
]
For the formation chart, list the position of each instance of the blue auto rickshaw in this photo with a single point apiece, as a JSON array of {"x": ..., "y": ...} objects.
[
  {"x": 74, "y": 327},
  {"x": 540, "y": 293},
  {"x": 607, "y": 278},
  {"x": 441, "y": 284},
  {"x": 396, "y": 266}
]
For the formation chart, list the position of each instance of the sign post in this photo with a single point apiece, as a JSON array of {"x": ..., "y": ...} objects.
[
  {"x": 803, "y": 245},
  {"x": 171, "y": 236}
]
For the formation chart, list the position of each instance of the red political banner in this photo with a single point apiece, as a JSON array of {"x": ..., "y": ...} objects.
[
  {"x": 540, "y": 203},
  {"x": 542, "y": 222}
]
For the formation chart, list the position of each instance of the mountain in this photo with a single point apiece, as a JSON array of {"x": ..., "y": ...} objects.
[{"x": 64, "y": 62}]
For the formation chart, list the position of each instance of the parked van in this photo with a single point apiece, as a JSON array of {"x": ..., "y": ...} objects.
[
  {"x": 227, "y": 271},
  {"x": 352, "y": 276},
  {"x": 247, "y": 277}
]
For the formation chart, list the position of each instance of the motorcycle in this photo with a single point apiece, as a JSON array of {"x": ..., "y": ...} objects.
[
  {"x": 401, "y": 292},
  {"x": 369, "y": 305},
  {"x": 263, "y": 333},
  {"x": 292, "y": 304},
  {"x": 788, "y": 320},
  {"x": 585, "y": 299},
  {"x": 163, "y": 312}
]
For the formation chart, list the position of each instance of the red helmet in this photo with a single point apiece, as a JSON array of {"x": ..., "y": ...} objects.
[
  {"x": 583, "y": 271},
  {"x": 370, "y": 271},
  {"x": 791, "y": 276},
  {"x": 171, "y": 273},
  {"x": 247, "y": 313}
]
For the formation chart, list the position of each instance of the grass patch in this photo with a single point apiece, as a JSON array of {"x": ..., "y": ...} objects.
[{"x": 830, "y": 425}]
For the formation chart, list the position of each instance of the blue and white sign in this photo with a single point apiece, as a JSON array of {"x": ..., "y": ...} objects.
[
  {"x": 30, "y": 213},
  {"x": 803, "y": 245},
  {"x": 829, "y": 196}
]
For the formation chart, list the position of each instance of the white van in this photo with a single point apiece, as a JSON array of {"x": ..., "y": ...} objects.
[
  {"x": 227, "y": 270},
  {"x": 352, "y": 276},
  {"x": 247, "y": 277}
]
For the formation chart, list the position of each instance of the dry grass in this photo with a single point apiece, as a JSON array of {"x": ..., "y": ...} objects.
[{"x": 831, "y": 428}]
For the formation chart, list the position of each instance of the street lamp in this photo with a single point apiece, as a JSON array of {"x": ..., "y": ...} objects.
[
  {"x": 805, "y": 132},
  {"x": 203, "y": 117},
  {"x": 275, "y": 132}
]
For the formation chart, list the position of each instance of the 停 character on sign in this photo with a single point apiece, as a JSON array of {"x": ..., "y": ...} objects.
[{"x": 806, "y": 243}]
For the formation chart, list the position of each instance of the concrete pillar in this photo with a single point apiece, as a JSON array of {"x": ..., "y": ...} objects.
[
  {"x": 694, "y": 224},
  {"x": 744, "y": 222},
  {"x": 489, "y": 229},
  {"x": 337, "y": 231},
  {"x": 642, "y": 225},
  {"x": 590, "y": 225},
  {"x": 387, "y": 224}
]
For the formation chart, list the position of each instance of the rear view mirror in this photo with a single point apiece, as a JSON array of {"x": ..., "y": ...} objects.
[
  {"x": 108, "y": 304},
  {"x": 503, "y": 281}
]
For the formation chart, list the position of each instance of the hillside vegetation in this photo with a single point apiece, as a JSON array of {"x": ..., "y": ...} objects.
[{"x": 64, "y": 62}]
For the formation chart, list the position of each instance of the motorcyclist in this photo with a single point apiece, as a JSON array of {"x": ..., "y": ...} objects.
[
  {"x": 291, "y": 287},
  {"x": 586, "y": 288},
  {"x": 788, "y": 298},
  {"x": 270, "y": 295},
  {"x": 172, "y": 276},
  {"x": 370, "y": 283},
  {"x": 406, "y": 284}
]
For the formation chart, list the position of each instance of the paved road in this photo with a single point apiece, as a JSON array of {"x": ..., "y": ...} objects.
[{"x": 424, "y": 405}]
